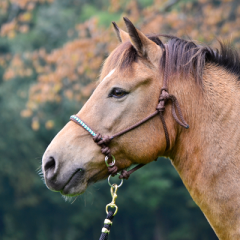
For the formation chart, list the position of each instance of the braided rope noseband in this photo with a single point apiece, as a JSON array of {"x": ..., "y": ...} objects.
[{"x": 103, "y": 141}]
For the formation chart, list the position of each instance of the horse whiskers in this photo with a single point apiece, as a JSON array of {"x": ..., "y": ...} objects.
[
  {"x": 74, "y": 200},
  {"x": 39, "y": 169},
  {"x": 40, "y": 173},
  {"x": 67, "y": 198}
]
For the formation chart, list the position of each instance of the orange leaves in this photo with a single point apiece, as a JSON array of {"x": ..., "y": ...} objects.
[
  {"x": 49, "y": 124},
  {"x": 9, "y": 74},
  {"x": 17, "y": 68},
  {"x": 26, "y": 17},
  {"x": 4, "y": 4},
  {"x": 23, "y": 29},
  {"x": 214, "y": 15},
  {"x": 26, "y": 113},
  {"x": 115, "y": 5},
  {"x": 69, "y": 94},
  {"x": 24, "y": 3},
  {"x": 86, "y": 91},
  {"x": 133, "y": 10},
  {"x": 201, "y": 21},
  {"x": 18, "y": 23},
  {"x": 70, "y": 71},
  {"x": 3, "y": 62},
  {"x": 75, "y": 61},
  {"x": 35, "y": 124},
  {"x": 9, "y": 29}
]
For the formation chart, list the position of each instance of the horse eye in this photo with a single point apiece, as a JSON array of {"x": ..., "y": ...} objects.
[{"x": 117, "y": 93}]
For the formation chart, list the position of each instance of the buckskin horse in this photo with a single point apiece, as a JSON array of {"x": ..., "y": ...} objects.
[{"x": 198, "y": 86}]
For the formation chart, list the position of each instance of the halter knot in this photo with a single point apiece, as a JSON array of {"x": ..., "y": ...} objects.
[
  {"x": 164, "y": 95},
  {"x": 162, "y": 100},
  {"x": 101, "y": 140},
  {"x": 106, "y": 151},
  {"x": 160, "y": 107},
  {"x": 124, "y": 175},
  {"x": 97, "y": 138},
  {"x": 163, "y": 89},
  {"x": 113, "y": 170}
]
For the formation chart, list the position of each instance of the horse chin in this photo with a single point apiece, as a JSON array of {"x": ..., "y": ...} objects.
[{"x": 72, "y": 191}]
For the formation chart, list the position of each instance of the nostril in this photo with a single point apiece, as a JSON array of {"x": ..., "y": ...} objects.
[
  {"x": 50, "y": 165},
  {"x": 81, "y": 171}
]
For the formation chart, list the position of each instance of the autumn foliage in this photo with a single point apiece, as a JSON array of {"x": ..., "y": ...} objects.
[{"x": 70, "y": 71}]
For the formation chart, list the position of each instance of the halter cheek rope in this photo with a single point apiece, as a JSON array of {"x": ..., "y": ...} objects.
[
  {"x": 103, "y": 141},
  {"x": 164, "y": 98}
]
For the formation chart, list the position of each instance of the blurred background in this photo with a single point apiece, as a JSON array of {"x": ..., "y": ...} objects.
[{"x": 51, "y": 52}]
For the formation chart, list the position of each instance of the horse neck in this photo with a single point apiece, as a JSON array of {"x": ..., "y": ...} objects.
[{"x": 207, "y": 155}]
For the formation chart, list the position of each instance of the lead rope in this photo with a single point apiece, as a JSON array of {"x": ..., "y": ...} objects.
[
  {"x": 110, "y": 214},
  {"x": 107, "y": 226}
]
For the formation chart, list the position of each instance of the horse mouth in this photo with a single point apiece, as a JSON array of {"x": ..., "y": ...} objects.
[
  {"x": 72, "y": 182},
  {"x": 75, "y": 184},
  {"x": 100, "y": 175}
]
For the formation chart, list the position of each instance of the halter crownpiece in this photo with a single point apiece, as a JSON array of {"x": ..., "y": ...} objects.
[{"x": 103, "y": 141}]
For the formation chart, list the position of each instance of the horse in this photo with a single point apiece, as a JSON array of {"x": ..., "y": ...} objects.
[{"x": 205, "y": 81}]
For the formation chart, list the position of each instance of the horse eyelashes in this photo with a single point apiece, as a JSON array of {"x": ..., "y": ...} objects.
[{"x": 117, "y": 93}]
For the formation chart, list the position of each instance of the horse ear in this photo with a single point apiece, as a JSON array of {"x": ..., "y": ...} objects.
[
  {"x": 144, "y": 46},
  {"x": 122, "y": 35}
]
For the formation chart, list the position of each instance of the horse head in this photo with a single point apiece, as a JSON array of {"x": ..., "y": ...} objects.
[{"x": 128, "y": 91}]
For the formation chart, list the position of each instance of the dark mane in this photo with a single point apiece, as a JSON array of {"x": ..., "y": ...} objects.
[{"x": 184, "y": 57}]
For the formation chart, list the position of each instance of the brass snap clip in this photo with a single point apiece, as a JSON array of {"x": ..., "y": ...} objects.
[{"x": 112, "y": 204}]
